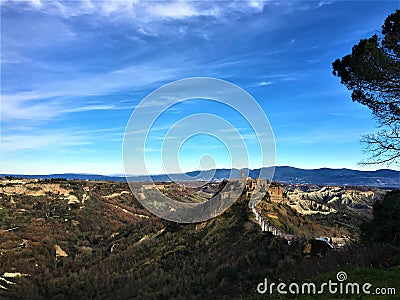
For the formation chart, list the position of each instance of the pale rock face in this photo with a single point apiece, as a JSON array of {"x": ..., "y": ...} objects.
[
  {"x": 9, "y": 275},
  {"x": 14, "y": 275},
  {"x": 84, "y": 198},
  {"x": 32, "y": 188},
  {"x": 328, "y": 196},
  {"x": 60, "y": 252},
  {"x": 73, "y": 200}
]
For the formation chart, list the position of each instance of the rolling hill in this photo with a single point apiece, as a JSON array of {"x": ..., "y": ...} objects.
[{"x": 384, "y": 178}]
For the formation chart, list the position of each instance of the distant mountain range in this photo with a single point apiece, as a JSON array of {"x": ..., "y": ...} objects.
[{"x": 324, "y": 176}]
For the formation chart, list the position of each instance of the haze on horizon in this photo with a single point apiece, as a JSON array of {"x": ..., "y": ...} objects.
[{"x": 73, "y": 73}]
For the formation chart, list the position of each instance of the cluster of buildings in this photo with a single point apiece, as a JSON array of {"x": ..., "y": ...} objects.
[
  {"x": 274, "y": 189},
  {"x": 275, "y": 193}
]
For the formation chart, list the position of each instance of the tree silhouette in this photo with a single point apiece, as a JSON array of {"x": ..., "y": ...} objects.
[
  {"x": 385, "y": 225},
  {"x": 372, "y": 73}
]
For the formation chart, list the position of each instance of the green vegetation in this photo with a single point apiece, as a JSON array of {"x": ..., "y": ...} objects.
[{"x": 384, "y": 227}]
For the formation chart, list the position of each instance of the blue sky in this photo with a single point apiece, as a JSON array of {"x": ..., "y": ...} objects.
[{"x": 73, "y": 72}]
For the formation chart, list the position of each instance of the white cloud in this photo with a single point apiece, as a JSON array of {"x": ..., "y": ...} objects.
[
  {"x": 283, "y": 77},
  {"x": 174, "y": 10},
  {"x": 10, "y": 144},
  {"x": 14, "y": 109},
  {"x": 42, "y": 103},
  {"x": 258, "y": 5},
  {"x": 264, "y": 83},
  {"x": 90, "y": 108},
  {"x": 55, "y": 139},
  {"x": 97, "y": 107},
  {"x": 144, "y": 11},
  {"x": 36, "y": 3}
]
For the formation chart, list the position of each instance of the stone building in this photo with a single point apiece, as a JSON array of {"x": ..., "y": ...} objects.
[{"x": 275, "y": 190}]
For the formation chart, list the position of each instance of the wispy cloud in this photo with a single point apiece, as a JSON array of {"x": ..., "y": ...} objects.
[
  {"x": 47, "y": 139},
  {"x": 264, "y": 83},
  {"x": 44, "y": 103},
  {"x": 321, "y": 137},
  {"x": 97, "y": 107},
  {"x": 143, "y": 11},
  {"x": 131, "y": 77},
  {"x": 272, "y": 78}
]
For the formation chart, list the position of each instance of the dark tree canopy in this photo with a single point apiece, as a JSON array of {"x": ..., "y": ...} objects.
[
  {"x": 372, "y": 73},
  {"x": 385, "y": 225}
]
